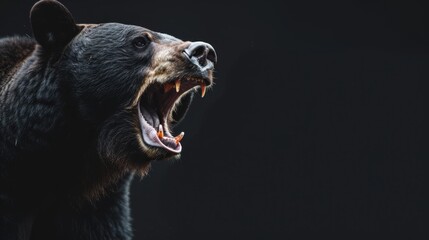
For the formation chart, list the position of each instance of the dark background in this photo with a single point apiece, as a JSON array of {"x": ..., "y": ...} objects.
[{"x": 316, "y": 125}]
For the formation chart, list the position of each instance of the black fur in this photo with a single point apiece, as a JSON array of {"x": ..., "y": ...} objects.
[{"x": 69, "y": 142}]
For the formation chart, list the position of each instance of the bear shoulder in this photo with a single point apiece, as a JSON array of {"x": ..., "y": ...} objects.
[{"x": 13, "y": 50}]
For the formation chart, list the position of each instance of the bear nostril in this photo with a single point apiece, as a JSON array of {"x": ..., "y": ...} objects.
[
  {"x": 200, "y": 52},
  {"x": 211, "y": 55}
]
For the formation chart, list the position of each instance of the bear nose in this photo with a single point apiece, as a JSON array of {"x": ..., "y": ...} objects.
[{"x": 201, "y": 54}]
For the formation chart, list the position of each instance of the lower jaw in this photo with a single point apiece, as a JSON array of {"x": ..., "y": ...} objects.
[{"x": 159, "y": 140}]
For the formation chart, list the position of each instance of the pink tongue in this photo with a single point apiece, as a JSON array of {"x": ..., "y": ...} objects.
[{"x": 170, "y": 142}]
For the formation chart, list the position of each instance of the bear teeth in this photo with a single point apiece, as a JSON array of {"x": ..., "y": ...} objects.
[
  {"x": 161, "y": 135},
  {"x": 177, "y": 83},
  {"x": 168, "y": 86},
  {"x": 179, "y": 137},
  {"x": 160, "y": 131},
  {"x": 203, "y": 90}
]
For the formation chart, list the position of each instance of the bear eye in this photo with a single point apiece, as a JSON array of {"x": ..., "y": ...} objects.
[{"x": 140, "y": 42}]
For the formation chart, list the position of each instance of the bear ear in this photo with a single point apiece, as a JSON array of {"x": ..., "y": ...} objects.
[{"x": 53, "y": 25}]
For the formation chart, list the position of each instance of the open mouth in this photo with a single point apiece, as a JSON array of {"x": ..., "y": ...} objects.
[{"x": 156, "y": 107}]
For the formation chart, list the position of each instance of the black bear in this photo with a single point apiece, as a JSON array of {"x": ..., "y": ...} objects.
[{"x": 83, "y": 108}]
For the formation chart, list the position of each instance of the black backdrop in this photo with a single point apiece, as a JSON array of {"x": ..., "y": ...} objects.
[{"x": 316, "y": 124}]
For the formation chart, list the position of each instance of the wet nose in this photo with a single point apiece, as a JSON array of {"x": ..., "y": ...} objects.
[{"x": 201, "y": 54}]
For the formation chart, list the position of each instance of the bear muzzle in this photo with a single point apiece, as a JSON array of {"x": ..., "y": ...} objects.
[{"x": 160, "y": 99}]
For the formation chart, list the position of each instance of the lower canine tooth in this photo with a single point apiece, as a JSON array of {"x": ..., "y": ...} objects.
[
  {"x": 160, "y": 131},
  {"x": 179, "y": 137}
]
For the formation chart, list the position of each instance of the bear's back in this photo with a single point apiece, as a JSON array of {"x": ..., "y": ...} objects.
[{"x": 13, "y": 50}]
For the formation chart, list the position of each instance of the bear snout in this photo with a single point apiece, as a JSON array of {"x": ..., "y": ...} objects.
[{"x": 202, "y": 55}]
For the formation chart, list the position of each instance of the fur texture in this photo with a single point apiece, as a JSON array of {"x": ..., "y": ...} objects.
[{"x": 70, "y": 139}]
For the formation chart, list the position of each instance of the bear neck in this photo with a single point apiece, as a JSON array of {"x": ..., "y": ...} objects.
[{"x": 40, "y": 133}]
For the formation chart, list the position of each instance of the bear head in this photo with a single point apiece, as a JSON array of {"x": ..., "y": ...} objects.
[{"x": 126, "y": 84}]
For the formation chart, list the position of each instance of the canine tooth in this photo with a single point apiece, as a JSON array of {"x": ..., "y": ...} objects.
[
  {"x": 160, "y": 131},
  {"x": 177, "y": 85},
  {"x": 203, "y": 90},
  {"x": 179, "y": 137}
]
